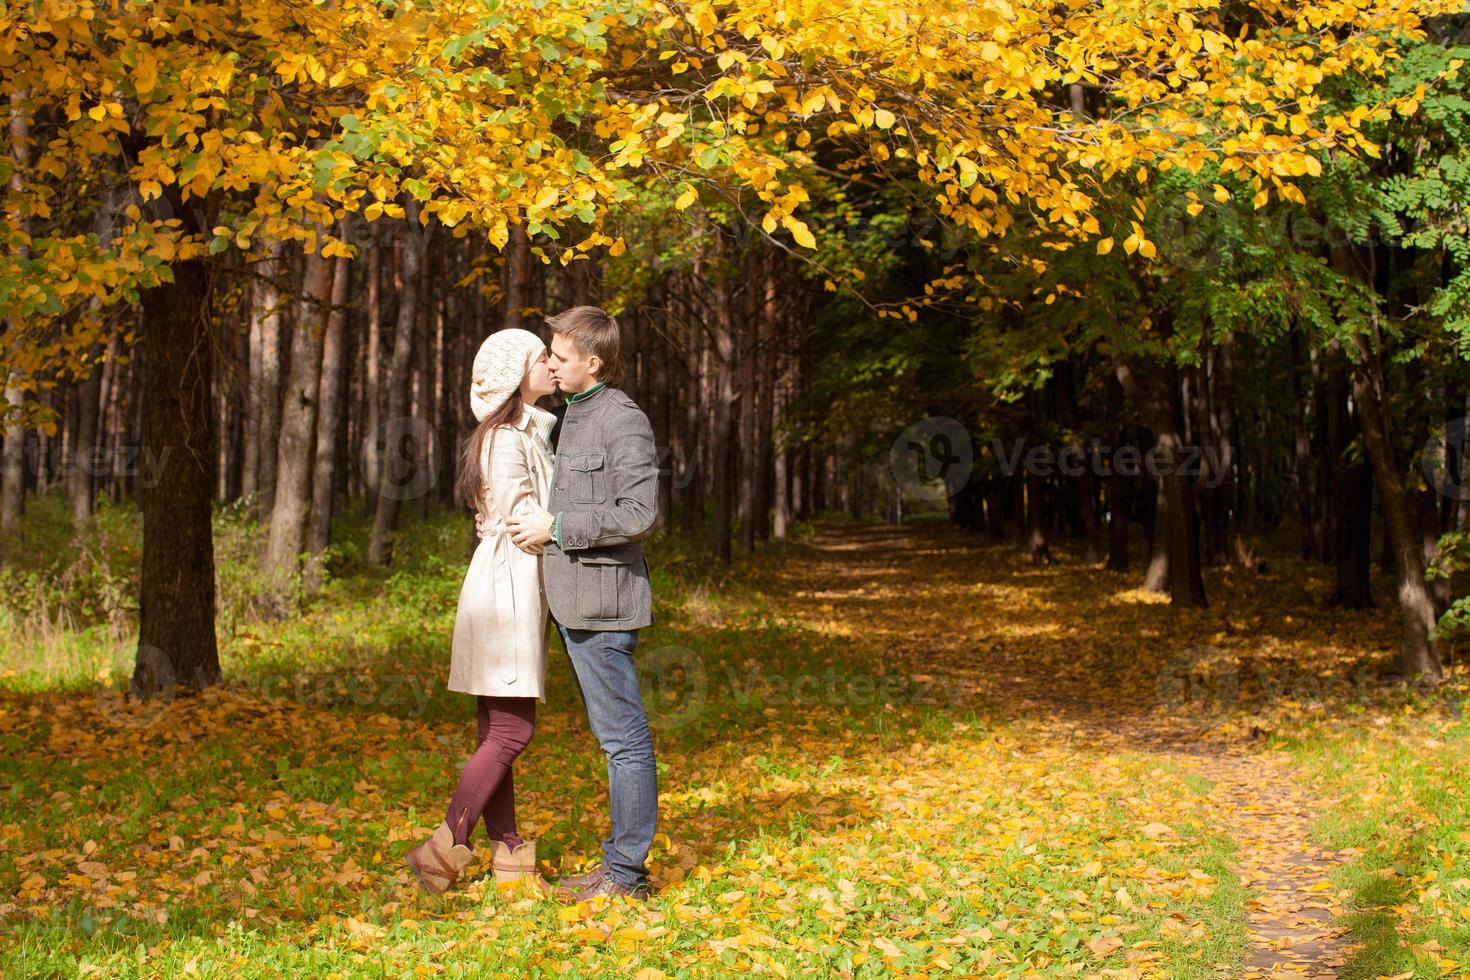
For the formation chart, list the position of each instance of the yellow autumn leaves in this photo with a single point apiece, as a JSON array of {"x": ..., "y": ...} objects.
[{"x": 288, "y": 117}]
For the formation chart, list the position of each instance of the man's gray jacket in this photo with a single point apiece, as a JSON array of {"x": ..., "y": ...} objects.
[{"x": 605, "y": 489}]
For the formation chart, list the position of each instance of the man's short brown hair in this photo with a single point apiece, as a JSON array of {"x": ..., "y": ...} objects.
[{"x": 595, "y": 334}]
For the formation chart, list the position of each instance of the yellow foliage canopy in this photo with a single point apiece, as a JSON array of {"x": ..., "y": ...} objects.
[{"x": 274, "y": 120}]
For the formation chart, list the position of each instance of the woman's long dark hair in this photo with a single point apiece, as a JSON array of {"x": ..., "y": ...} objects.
[{"x": 472, "y": 483}]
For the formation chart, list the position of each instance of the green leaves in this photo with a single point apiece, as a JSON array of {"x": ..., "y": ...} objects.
[{"x": 456, "y": 46}]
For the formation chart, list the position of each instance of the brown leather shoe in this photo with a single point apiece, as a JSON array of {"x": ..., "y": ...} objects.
[
  {"x": 606, "y": 886},
  {"x": 516, "y": 867},
  {"x": 568, "y": 888},
  {"x": 438, "y": 861}
]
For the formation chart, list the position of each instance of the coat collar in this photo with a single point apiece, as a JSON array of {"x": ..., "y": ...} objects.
[
  {"x": 537, "y": 419},
  {"x": 587, "y": 400},
  {"x": 583, "y": 395}
]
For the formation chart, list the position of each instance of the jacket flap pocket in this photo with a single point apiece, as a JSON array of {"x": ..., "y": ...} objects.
[
  {"x": 602, "y": 558},
  {"x": 587, "y": 461}
]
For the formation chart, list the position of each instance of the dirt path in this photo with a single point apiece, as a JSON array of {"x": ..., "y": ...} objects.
[
  {"x": 1292, "y": 910},
  {"x": 1076, "y": 651}
]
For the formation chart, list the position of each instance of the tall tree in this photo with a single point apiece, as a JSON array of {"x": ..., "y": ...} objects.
[
  {"x": 330, "y": 397},
  {"x": 176, "y": 641},
  {"x": 291, "y": 504},
  {"x": 398, "y": 446}
]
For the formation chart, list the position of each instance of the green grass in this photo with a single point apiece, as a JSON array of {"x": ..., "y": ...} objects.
[{"x": 1403, "y": 811}]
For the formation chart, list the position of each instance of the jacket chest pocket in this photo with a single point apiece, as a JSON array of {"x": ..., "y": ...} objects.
[
  {"x": 587, "y": 478},
  {"x": 602, "y": 585}
]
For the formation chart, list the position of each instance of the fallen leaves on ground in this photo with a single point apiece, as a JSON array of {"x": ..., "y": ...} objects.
[{"x": 902, "y": 752}]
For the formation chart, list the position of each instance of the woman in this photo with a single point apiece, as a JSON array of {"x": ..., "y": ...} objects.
[{"x": 499, "y": 650}]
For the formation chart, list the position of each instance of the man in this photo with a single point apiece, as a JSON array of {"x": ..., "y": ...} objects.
[{"x": 604, "y": 499}]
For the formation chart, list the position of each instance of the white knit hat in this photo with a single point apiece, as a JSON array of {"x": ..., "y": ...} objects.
[{"x": 500, "y": 366}]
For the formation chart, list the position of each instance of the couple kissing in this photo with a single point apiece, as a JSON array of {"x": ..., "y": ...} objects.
[{"x": 561, "y": 507}]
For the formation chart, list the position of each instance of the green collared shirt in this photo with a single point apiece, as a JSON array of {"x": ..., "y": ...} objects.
[
  {"x": 588, "y": 393},
  {"x": 556, "y": 521}
]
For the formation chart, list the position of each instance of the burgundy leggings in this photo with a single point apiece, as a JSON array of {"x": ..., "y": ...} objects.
[{"x": 486, "y": 787}]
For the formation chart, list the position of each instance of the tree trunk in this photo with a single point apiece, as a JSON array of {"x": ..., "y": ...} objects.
[
  {"x": 372, "y": 457},
  {"x": 1221, "y": 467},
  {"x": 1155, "y": 395},
  {"x": 1301, "y": 449},
  {"x": 694, "y": 447},
  {"x": 250, "y": 436},
  {"x": 852, "y": 476},
  {"x": 1418, "y": 654},
  {"x": 517, "y": 276},
  {"x": 266, "y": 305},
  {"x": 781, "y": 462},
  {"x": 439, "y": 329},
  {"x": 1352, "y": 497},
  {"x": 765, "y": 403},
  {"x": 136, "y": 422},
  {"x": 748, "y": 452},
  {"x": 662, "y": 394},
  {"x": 1119, "y": 485},
  {"x": 1036, "y": 544},
  {"x": 12, "y": 468},
  {"x": 1354, "y": 540},
  {"x": 224, "y": 415},
  {"x": 1324, "y": 533},
  {"x": 421, "y": 395},
  {"x": 1084, "y": 481},
  {"x": 725, "y": 423},
  {"x": 396, "y": 473},
  {"x": 79, "y": 474},
  {"x": 292, "y": 497},
  {"x": 328, "y": 420},
  {"x": 176, "y": 641},
  {"x": 1426, "y": 502},
  {"x": 1156, "y": 576},
  {"x": 112, "y": 382},
  {"x": 12, "y": 453}
]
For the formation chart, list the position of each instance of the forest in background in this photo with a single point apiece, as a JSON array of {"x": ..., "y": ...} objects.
[{"x": 1200, "y": 270}]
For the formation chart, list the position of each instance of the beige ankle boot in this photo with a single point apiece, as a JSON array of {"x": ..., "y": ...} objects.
[
  {"x": 438, "y": 861},
  {"x": 517, "y": 867}
]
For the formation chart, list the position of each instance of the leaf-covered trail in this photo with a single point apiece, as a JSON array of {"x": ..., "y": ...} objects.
[
  {"x": 1092, "y": 663},
  {"x": 1293, "y": 909}
]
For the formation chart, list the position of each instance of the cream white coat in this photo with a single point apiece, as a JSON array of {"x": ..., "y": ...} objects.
[{"x": 500, "y": 626}]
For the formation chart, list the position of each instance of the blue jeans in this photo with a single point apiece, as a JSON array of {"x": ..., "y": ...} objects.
[{"x": 603, "y": 663}]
